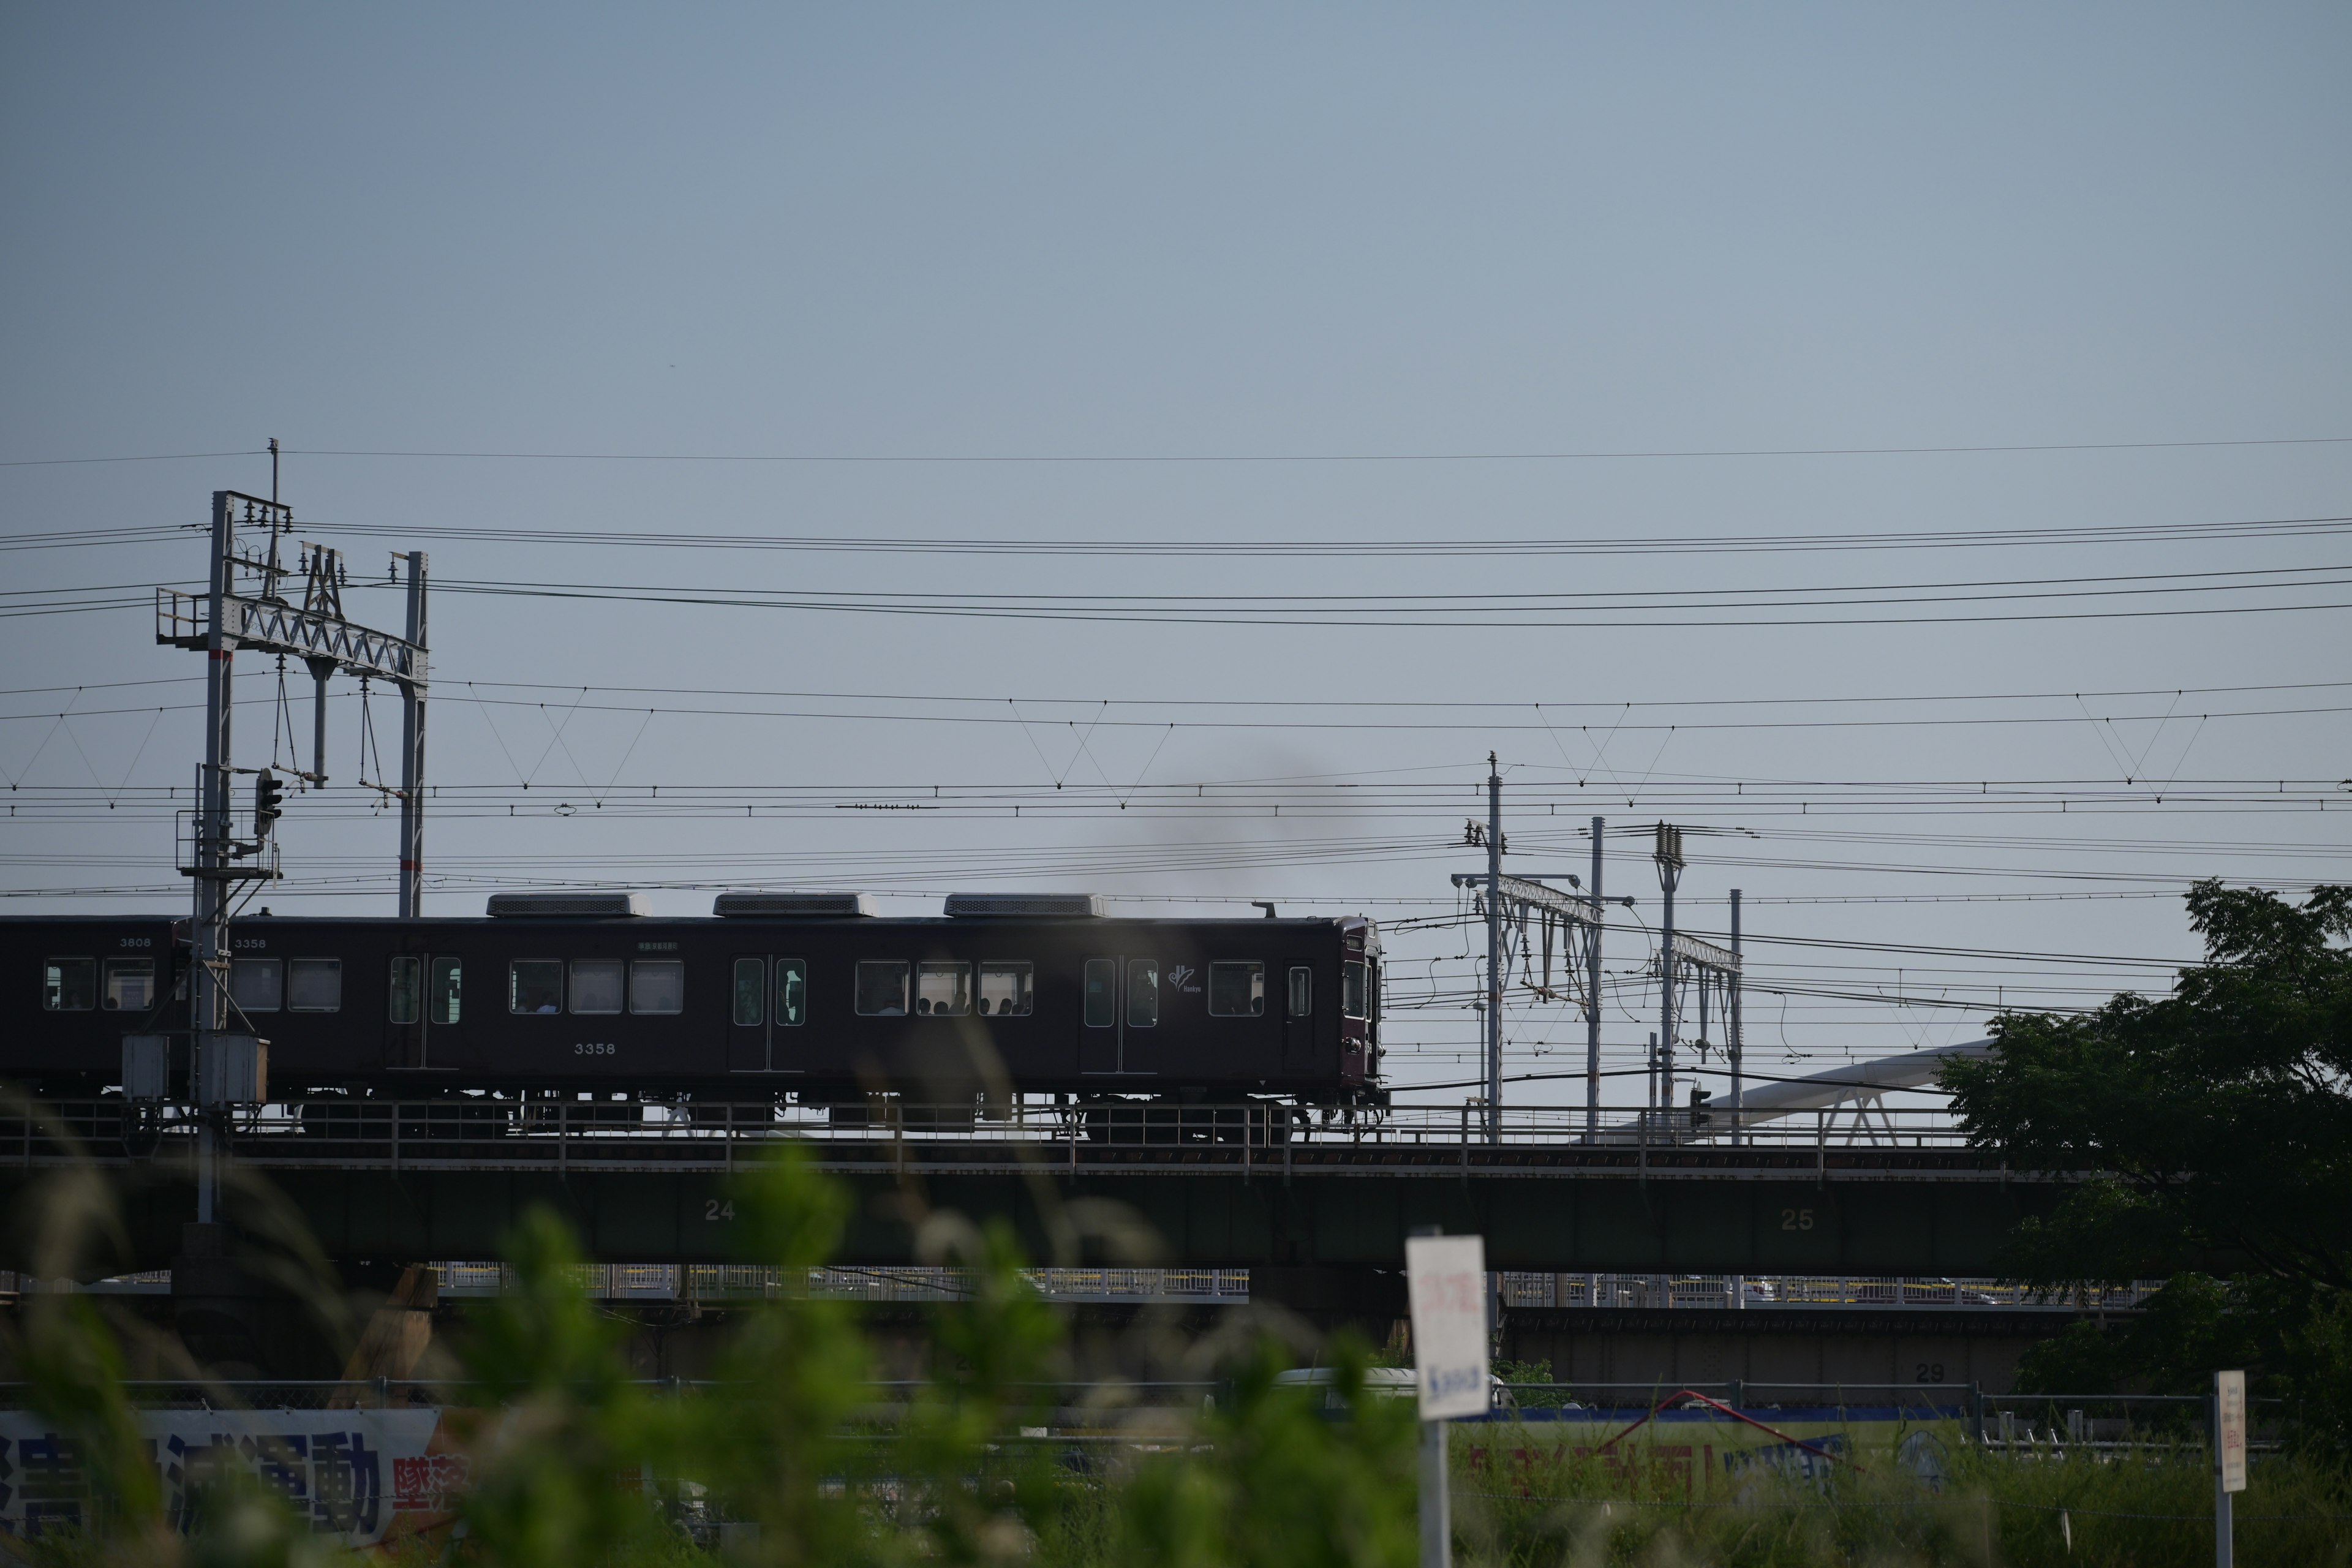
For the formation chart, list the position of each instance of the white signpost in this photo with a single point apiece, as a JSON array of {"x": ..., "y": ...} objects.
[
  {"x": 1446, "y": 1278},
  {"x": 2228, "y": 1459}
]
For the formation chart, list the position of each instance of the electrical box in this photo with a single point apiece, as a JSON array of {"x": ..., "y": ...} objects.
[
  {"x": 147, "y": 1067},
  {"x": 237, "y": 1070}
]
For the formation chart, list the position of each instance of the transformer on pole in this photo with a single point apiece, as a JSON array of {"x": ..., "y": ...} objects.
[{"x": 245, "y": 606}]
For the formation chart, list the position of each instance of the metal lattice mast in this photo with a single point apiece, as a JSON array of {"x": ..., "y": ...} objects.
[{"x": 231, "y": 615}]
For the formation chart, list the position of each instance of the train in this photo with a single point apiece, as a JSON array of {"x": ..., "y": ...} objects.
[{"x": 815, "y": 998}]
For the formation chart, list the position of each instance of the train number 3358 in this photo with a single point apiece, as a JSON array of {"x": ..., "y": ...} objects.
[
  {"x": 594, "y": 1048},
  {"x": 1796, "y": 1219}
]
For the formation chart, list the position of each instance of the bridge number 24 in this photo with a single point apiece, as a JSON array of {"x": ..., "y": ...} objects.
[{"x": 1796, "y": 1219}]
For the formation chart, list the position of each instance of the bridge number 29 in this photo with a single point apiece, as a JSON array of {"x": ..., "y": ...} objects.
[{"x": 1796, "y": 1219}]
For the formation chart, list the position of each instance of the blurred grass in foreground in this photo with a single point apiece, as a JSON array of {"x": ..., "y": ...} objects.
[{"x": 786, "y": 1459}]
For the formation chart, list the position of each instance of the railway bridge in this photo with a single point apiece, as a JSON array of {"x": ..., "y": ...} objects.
[{"x": 1241, "y": 1185}]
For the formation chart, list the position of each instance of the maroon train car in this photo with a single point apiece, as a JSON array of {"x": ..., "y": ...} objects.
[{"x": 773, "y": 993}]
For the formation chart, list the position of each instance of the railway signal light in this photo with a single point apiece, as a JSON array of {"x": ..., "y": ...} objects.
[{"x": 269, "y": 797}]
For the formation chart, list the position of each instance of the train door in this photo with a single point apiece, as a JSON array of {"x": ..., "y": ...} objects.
[
  {"x": 428, "y": 1001},
  {"x": 1100, "y": 1035},
  {"x": 749, "y": 1033},
  {"x": 1299, "y": 1019},
  {"x": 767, "y": 1002}
]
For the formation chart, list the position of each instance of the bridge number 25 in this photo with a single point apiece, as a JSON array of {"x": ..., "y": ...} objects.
[{"x": 1796, "y": 1219}]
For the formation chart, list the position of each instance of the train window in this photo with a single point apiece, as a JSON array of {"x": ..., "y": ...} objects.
[
  {"x": 658, "y": 985},
  {"x": 1102, "y": 993},
  {"x": 882, "y": 989},
  {"x": 1355, "y": 990},
  {"x": 1302, "y": 991},
  {"x": 791, "y": 992},
  {"x": 408, "y": 982},
  {"x": 1007, "y": 990},
  {"x": 129, "y": 984},
  {"x": 1236, "y": 990},
  {"x": 751, "y": 992},
  {"x": 448, "y": 977},
  {"x": 69, "y": 985},
  {"x": 256, "y": 984},
  {"x": 535, "y": 986},
  {"x": 1142, "y": 993},
  {"x": 943, "y": 990},
  {"x": 596, "y": 985},
  {"x": 314, "y": 985}
]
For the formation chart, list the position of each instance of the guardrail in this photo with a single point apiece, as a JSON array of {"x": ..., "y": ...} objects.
[
  {"x": 568, "y": 1133},
  {"x": 1765, "y": 1292}
]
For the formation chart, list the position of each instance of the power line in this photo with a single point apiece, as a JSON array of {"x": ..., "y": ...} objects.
[
  {"x": 1430, "y": 456},
  {"x": 1241, "y": 458}
]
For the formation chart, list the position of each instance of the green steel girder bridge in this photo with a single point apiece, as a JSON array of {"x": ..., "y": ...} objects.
[{"x": 1236, "y": 1187}]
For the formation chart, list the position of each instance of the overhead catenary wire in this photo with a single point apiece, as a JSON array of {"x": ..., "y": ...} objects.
[{"x": 1426, "y": 456}]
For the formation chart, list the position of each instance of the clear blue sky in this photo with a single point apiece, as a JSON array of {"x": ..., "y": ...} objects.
[{"x": 1244, "y": 232}]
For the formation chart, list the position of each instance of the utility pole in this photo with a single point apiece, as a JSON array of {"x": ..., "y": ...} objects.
[
  {"x": 1735, "y": 1045},
  {"x": 1494, "y": 951},
  {"x": 1592, "y": 1003},
  {"x": 1669, "y": 857},
  {"x": 411, "y": 751}
]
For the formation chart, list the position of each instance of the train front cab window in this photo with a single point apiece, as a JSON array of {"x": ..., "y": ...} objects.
[
  {"x": 1355, "y": 989},
  {"x": 69, "y": 985}
]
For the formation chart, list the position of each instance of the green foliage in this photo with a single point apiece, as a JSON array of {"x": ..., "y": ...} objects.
[
  {"x": 560, "y": 1437},
  {"x": 980, "y": 1499},
  {"x": 1300, "y": 1477},
  {"x": 575, "y": 1463},
  {"x": 2222, "y": 1114},
  {"x": 2220, "y": 1120},
  {"x": 775, "y": 1430},
  {"x": 1523, "y": 1501}
]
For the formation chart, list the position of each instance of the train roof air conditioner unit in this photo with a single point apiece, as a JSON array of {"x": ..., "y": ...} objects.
[
  {"x": 1025, "y": 906},
  {"x": 757, "y": 904},
  {"x": 575, "y": 905}
]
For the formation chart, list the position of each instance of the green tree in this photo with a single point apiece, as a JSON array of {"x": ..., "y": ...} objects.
[{"x": 2218, "y": 1122}]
